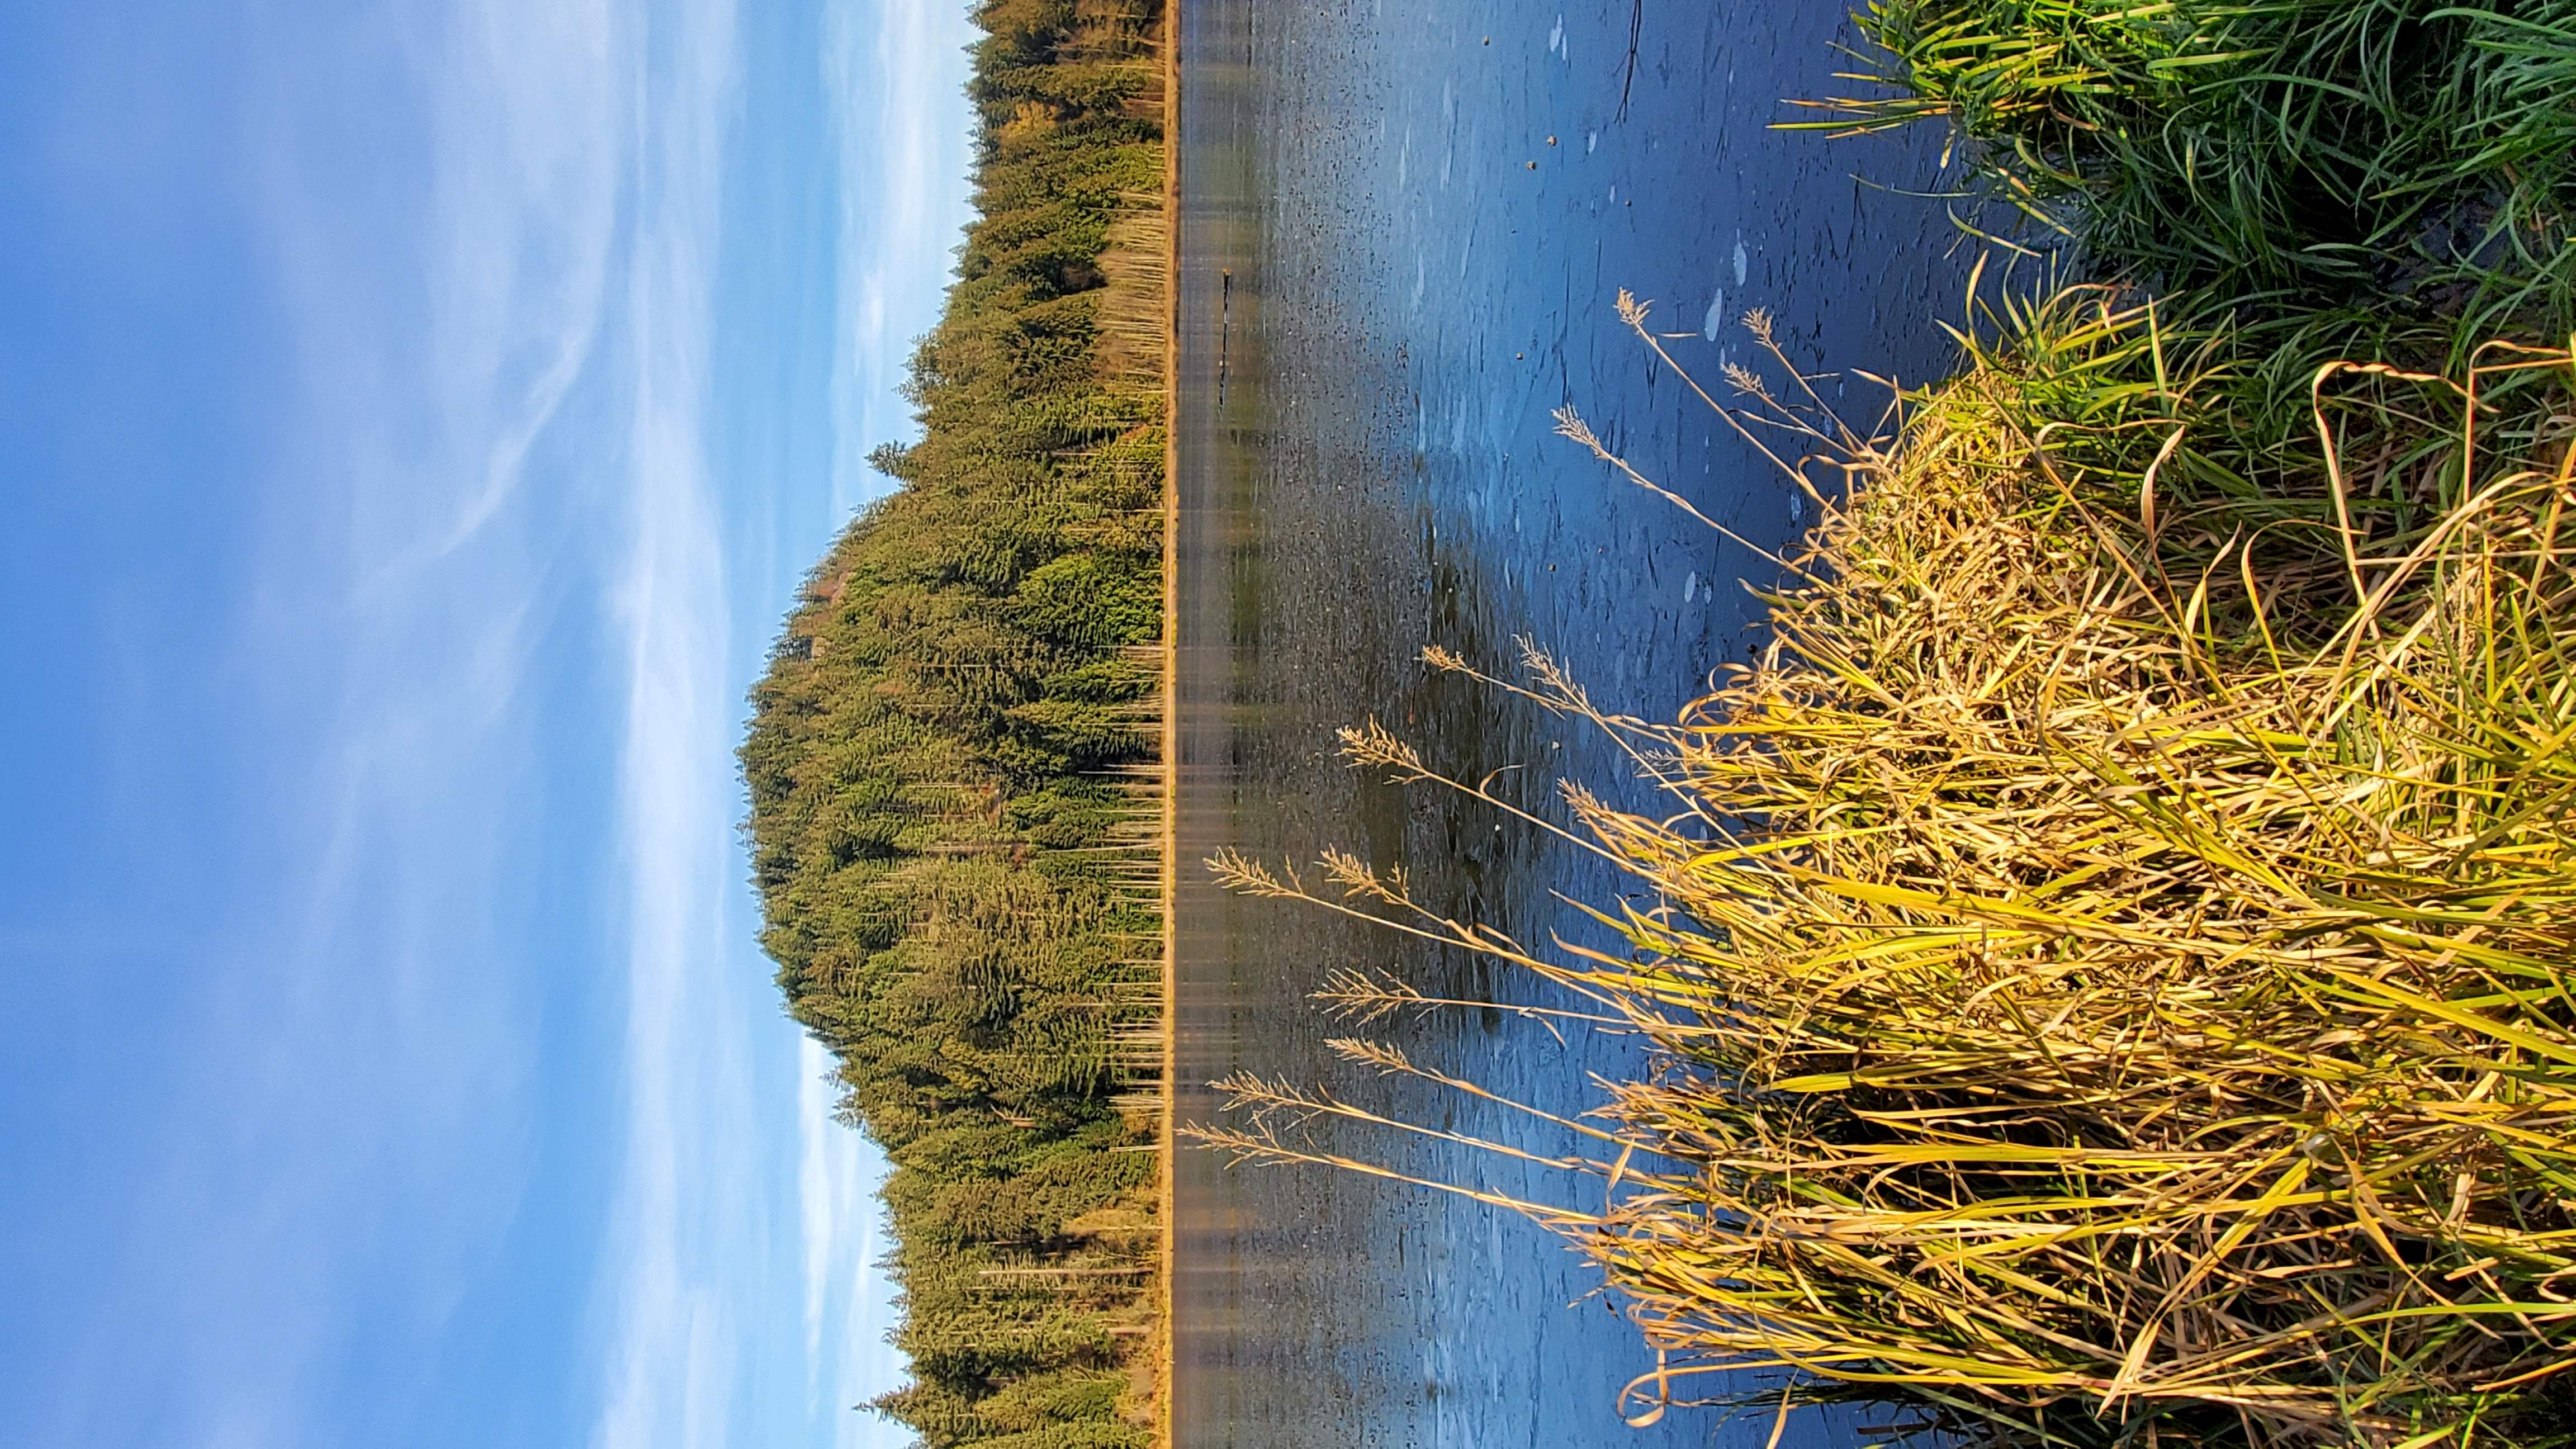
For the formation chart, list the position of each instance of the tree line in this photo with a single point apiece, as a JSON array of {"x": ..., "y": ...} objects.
[{"x": 953, "y": 820}]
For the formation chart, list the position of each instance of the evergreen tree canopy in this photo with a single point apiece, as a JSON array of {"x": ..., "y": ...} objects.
[{"x": 954, "y": 869}]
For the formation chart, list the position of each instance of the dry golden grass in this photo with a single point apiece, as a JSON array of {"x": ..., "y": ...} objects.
[{"x": 2112, "y": 974}]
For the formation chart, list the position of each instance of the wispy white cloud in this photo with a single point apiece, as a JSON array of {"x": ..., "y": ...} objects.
[
  {"x": 897, "y": 88},
  {"x": 530, "y": 207},
  {"x": 508, "y": 346},
  {"x": 359, "y": 1062},
  {"x": 849, "y": 1305},
  {"x": 689, "y": 1224},
  {"x": 496, "y": 232},
  {"x": 444, "y": 379}
]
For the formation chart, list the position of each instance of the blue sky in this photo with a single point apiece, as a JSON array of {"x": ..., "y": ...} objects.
[{"x": 415, "y": 417}]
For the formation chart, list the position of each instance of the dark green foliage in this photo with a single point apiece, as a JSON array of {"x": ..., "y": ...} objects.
[
  {"x": 2284, "y": 185},
  {"x": 933, "y": 772},
  {"x": 2408, "y": 159}
]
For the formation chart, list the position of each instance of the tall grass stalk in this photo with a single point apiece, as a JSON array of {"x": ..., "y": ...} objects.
[{"x": 2109, "y": 957}]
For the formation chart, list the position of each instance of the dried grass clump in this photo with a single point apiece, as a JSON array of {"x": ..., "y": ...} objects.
[{"x": 2094, "y": 1006}]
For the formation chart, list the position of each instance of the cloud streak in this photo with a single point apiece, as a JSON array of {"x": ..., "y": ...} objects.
[
  {"x": 428, "y": 194},
  {"x": 690, "y": 1221},
  {"x": 898, "y": 93},
  {"x": 849, "y": 1307}
]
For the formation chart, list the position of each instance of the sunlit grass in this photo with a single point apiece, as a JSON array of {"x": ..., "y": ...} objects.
[
  {"x": 2108, "y": 958},
  {"x": 2395, "y": 162},
  {"x": 2111, "y": 951}
]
